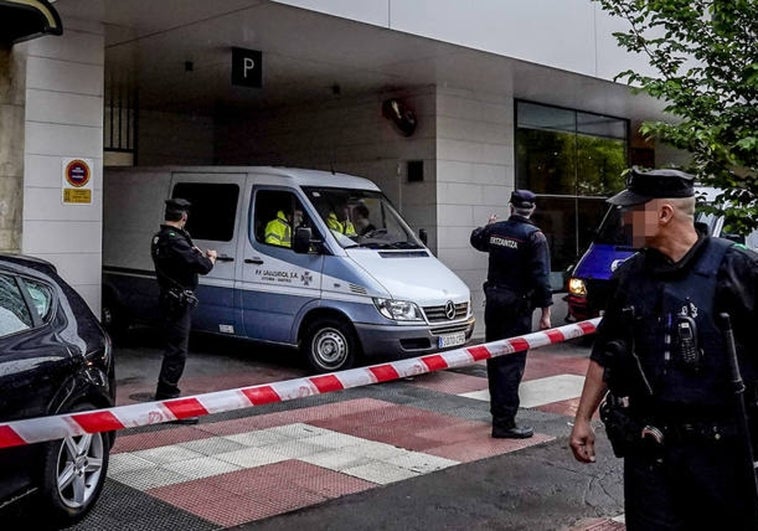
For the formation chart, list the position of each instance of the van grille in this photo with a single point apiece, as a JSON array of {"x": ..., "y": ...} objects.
[
  {"x": 460, "y": 327},
  {"x": 436, "y": 314}
]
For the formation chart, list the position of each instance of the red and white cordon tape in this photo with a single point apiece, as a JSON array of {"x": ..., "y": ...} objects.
[{"x": 29, "y": 431}]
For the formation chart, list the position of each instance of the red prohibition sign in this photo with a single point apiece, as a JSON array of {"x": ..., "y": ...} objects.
[{"x": 77, "y": 173}]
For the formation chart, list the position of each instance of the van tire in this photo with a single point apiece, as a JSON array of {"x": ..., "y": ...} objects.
[
  {"x": 329, "y": 344},
  {"x": 113, "y": 317}
]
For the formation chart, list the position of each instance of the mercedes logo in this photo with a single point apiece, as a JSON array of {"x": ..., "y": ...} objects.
[{"x": 450, "y": 310}]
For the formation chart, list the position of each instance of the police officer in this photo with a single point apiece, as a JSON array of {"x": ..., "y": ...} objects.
[
  {"x": 659, "y": 348},
  {"x": 177, "y": 265},
  {"x": 517, "y": 282}
]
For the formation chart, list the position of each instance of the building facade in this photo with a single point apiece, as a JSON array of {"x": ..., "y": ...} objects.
[{"x": 504, "y": 95}]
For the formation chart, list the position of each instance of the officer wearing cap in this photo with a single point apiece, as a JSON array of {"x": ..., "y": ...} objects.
[
  {"x": 178, "y": 262},
  {"x": 517, "y": 283},
  {"x": 662, "y": 354}
]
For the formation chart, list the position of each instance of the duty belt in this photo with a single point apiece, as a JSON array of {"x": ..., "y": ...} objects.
[{"x": 663, "y": 433}]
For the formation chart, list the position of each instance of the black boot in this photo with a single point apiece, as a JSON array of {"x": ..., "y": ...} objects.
[{"x": 511, "y": 431}]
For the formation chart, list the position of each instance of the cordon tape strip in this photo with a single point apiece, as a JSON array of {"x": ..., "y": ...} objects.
[{"x": 30, "y": 431}]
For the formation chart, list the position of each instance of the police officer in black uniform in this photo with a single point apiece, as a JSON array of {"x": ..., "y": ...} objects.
[
  {"x": 661, "y": 351},
  {"x": 178, "y": 262},
  {"x": 517, "y": 283}
]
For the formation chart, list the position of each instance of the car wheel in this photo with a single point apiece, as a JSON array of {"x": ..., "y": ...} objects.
[
  {"x": 330, "y": 345},
  {"x": 73, "y": 474}
]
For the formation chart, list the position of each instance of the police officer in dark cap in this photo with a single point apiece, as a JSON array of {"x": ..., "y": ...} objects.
[
  {"x": 661, "y": 351},
  {"x": 518, "y": 281},
  {"x": 178, "y": 262}
]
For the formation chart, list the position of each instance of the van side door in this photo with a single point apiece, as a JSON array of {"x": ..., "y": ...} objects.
[
  {"x": 213, "y": 223},
  {"x": 277, "y": 286}
]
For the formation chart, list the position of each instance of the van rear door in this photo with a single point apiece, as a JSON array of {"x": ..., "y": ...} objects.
[
  {"x": 276, "y": 286},
  {"x": 214, "y": 223}
]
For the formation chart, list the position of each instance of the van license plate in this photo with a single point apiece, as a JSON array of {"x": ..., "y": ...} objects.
[{"x": 451, "y": 340}]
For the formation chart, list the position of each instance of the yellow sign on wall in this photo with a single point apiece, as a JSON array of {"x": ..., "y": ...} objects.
[{"x": 72, "y": 195}]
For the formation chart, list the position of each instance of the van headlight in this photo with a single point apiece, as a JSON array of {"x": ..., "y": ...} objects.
[
  {"x": 398, "y": 310},
  {"x": 577, "y": 287}
]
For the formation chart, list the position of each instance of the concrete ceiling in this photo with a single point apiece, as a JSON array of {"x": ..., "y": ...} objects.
[{"x": 306, "y": 54}]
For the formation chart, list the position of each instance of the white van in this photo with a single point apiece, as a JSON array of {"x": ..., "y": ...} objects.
[{"x": 376, "y": 290}]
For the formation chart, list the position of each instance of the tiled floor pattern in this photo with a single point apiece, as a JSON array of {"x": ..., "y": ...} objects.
[{"x": 236, "y": 471}]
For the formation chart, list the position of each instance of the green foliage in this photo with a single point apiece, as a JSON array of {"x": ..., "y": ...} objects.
[{"x": 704, "y": 57}]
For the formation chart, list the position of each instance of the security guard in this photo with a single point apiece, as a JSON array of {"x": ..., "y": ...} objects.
[
  {"x": 177, "y": 265},
  {"x": 661, "y": 352},
  {"x": 517, "y": 283},
  {"x": 278, "y": 231}
]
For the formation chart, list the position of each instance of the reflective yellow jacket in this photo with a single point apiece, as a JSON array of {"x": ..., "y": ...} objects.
[
  {"x": 336, "y": 225},
  {"x": 278, "y": 231}
]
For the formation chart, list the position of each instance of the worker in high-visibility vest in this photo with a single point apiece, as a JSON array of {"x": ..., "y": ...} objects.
[
  {"x": 343, "y": 227},
  {"x": 279, "y": 231}
]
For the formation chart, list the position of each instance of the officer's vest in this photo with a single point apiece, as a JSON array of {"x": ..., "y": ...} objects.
[
  {"x": 657, "y": 306},
  {"x": 509, "y": 262}
]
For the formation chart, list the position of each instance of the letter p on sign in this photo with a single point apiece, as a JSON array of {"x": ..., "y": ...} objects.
[{"x": 247, "y": 67}]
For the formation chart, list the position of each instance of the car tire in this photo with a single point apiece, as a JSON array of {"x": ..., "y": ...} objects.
[
  {"x": 73, "y": 474},
  {"x": 330, "y": 344}
]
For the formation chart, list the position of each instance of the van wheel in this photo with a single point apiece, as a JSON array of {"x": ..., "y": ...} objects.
[
  {"x": 73, "y": 475},
  {"x": 112, "y": 317},
  {"x": 329, "y": 345}
]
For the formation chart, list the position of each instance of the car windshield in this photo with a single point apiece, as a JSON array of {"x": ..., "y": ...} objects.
[{"x": 362, "y": 218}]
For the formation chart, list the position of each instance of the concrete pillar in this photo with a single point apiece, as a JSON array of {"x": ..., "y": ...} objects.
[
  {"x": 12, "y": 100},
  {"x": 64, "y": 121}
]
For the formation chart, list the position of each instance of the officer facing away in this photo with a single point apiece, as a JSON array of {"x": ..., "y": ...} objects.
[
  {"x": 517, "y": 283},
  {"x": 660, "y": 351},
  {"x": 177, "y": 265}
]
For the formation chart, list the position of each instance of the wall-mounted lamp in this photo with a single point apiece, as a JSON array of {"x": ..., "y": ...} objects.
[{"x": 403, "y": 117}]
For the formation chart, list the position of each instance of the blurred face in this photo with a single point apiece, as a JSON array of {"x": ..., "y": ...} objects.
[{"x": 642, "y": 220}]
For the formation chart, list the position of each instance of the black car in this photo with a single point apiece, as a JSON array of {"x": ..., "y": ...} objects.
[{"x": 54, "y": 358}]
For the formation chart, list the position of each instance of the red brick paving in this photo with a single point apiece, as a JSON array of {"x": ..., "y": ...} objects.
[
  {"x": 483, "y": 446},
  {"x": 245, "y": 495}
]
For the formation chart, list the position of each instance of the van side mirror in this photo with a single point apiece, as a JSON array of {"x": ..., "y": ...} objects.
[
  {"x": 423, "y": 236},
  {"x": 302, "y": 241}
]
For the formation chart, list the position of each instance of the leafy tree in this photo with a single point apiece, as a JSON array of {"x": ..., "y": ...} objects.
[{"x": 705, "y": 55}]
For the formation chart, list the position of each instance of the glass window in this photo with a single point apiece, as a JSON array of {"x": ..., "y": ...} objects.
[
  {"x": 573, "y": 160},
  {"x": 214, "y": 209},
  {"x": 14, "y": 314},
  {"x": 276, "y": 213},
  {"x": 41, "y": 296},
  {"x": 362, "y": 218}
]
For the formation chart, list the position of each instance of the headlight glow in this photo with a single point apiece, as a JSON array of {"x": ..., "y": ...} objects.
[
  {"x": 576, "y": 287},
  {"x": 398, "y": 310}
]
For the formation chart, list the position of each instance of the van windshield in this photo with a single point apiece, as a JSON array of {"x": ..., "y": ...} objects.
[{"x": 362, "y": 218}]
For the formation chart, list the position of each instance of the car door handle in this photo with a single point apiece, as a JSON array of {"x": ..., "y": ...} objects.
[
  {"x": 224, "y": 258},
  {"x": 255, "y": 260}
]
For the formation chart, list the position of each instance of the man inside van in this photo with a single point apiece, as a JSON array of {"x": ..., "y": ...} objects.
[
  {"x": 279, "y": 230},
  {"x": 518, "y": 281},
  {"x": 338, "y": 220},
  {"x": 178, "y": 262}
]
